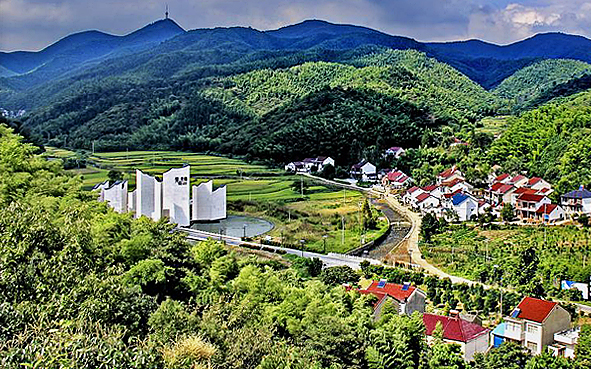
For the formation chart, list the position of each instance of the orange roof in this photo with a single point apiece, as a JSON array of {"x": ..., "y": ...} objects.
[
  {"x": 535, "y": 309},
  {"x": 391, "y": 289}
]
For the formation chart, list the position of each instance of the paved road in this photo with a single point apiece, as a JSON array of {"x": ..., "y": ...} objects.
[{"x": 330, "y": 260}]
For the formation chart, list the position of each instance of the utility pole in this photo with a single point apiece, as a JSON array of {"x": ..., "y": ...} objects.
[
  {"x": 302, "y": 185},
  {"x": 302, "y": 242},
  {"x": 92, "y": 147},
  {"x": 343, "y": 233},
  {"x": 324, "y": 242}
]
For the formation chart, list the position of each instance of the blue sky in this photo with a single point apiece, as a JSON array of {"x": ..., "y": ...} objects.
[{"x": 33, "y": 24}]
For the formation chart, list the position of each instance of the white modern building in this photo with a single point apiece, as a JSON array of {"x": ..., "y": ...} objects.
[
  {"x": 177, "y": 195},
  {"x": 208, "y": 205},
  {"x": 116, "y": 196},
  {"x": 169, "y": 198},
  {"x": 565, "y": 342},
  {"x": 148, "y": 196}
]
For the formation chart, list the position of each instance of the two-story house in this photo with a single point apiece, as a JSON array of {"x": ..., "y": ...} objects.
[
  {"x": 364, "y": 171},
  {"x": 532, "y": 324},
  {"x": 405, "y": 298},
  {"x": 465, "y": 206},
  {"x": 395, "y": 179},
  {"x": 527, "y": 205},
  {"x": 449, "y": 175},
  {"x": 577, "y": 202},
  {"x": 500, "y": 193}
]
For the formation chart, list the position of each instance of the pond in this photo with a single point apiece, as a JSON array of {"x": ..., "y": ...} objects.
[{"x": 236, "y": 226}]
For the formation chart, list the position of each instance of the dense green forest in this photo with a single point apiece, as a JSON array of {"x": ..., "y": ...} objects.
[
  {"x": 528, "y": 86},
  {"x": 552, "y": 142},
  {"x": 84, "y": 287}
]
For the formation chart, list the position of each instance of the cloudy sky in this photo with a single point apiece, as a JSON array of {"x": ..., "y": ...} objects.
[{"x": 33, "y": 24}]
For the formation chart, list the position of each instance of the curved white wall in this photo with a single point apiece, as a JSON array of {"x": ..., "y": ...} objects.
[{"x": 176, "y": 195}]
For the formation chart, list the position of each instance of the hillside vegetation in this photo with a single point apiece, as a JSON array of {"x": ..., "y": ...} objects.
[
  {"x": 553, "y": 142},
  {"x": 531, "y": 85}
]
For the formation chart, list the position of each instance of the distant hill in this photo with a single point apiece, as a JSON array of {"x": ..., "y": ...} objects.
[
  {"x": 71, "y": 51},
  {"x": 543, "y": 45},
  {"x": 533, "y": 85}
]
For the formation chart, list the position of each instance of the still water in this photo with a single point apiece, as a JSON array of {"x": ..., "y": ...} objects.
[{"x": 236, "y": 226}]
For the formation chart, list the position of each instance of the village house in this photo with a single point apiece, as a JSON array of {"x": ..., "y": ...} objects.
[
  {"x": 577, "y": 202},
  {"x": 565, "y": 342},
  {"x": 426, "y": 203},
  {"x": 449, "y": 175},
  {"x": 309, "y": 164},
  {"x": 395, "y": 152},
  {"x": 532, "y": 324},
  {"x": 549, "y": 213},
  {"x": 500, "y": 193},
  {"x": 456, "y": 184},
  {"x": 411, "y": 194},
  {"x": 364, "y": 171},
  {"x": 405, "y": 298},
  {"x": 318, "y": 163},
  {"x": 501, "y": 178},
  {"x": 296, "y": 167},
  {"x": 434, "y": 190},
  {"x": 519, "y": 191},
  {"x": 527, "y": 205},
  {"x": 519, "y": 181},
  {"x": 396, "y": 180},
  {"x": 471, "y": 337},
  {"x": 465, "y": 206},
  {"x": 538, "y": 183}
]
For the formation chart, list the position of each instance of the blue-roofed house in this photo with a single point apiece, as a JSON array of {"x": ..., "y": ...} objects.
[
  {"x": 465, "y": 206},
  {"x": 577, "y": 201}
]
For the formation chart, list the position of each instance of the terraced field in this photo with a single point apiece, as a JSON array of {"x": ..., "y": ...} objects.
[{"x": 268, "y": 193}]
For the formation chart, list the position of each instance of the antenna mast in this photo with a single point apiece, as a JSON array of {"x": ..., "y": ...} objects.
[{"x": 166, "y": 13}]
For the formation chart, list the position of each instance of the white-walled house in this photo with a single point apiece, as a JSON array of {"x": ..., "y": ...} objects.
[
  {"x": 296, "y": 167},
  {"x": 116, "y": 196},
  {"x": 528, "y": 205},
  {"x": 519, "y": 181},
  {"x": 538, "y": 183},
  {"x": 532, "y": 324},
  {"x": 427, "y": 203},
  {"x": 455, "y": 185},
  {"x": 465, "y": 206},
  {"x": 395, "y": 152},
  {"x": 364, "y": 171},
  {"x": 565, "y": 342},
  {"x": 396, "y": 179},
  {"x": 471, "y": 337},
  {"x": 500, "y": 193},
  {"x": 411, "y": 194},
  {"x": 318, "y": 162},
  {"x": 577, "y": 202},
  {"x": 177, "y": 195},
  {"x": 550, "y": 213},
  {"x": 449, "y": 175}
]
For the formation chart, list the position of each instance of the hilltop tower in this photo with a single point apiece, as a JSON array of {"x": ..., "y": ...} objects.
[{"x": 166, "y": 12}]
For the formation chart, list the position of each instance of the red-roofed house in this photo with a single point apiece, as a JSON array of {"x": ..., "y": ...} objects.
[
  {"x": 426, "y": 203},
  {"x": 411, "y": 194},
  {"x": 455, "y": 185},
  {"x": 519, "y": 180},
  {"x": 532, "y": 324},
  {"x": 500, "y": 193},
  {"x": 528, "y": 204},
  {"x": 449, "y": 175},
  {"x": 502, "y": 178},
  {"x": 519, "y": 191},
  {"x": 471, "y": 337},
  {"x": 550, "y": 213},
  {"x": 538, "y": 183},
  {"x": 395, "y": 179},
  {"x": 406, "y": 298}
]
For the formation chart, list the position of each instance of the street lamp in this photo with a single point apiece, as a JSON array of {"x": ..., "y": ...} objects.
[
  {"x": 302, "y": 242},
  {"x": 244, "y": 229},
  {"x": 324, "y": 242}
]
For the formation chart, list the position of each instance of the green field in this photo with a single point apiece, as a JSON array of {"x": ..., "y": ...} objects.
[{"x": 268, "y": 193}]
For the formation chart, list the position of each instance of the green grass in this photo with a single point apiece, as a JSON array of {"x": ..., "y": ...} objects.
[
  {"x": 493, "y": 125},
  {"x": 54, "y": 152}
]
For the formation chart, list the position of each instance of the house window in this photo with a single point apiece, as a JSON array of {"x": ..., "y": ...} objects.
[
  {"x": 532, "y": 346},
  {"x": 532, "y": 328}
]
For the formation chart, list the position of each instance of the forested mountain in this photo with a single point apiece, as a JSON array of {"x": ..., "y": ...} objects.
[
  {"x": 532, "y": 85},
  {"x": 201, "y": 89},
  {"x": 33, "y": 68}
]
